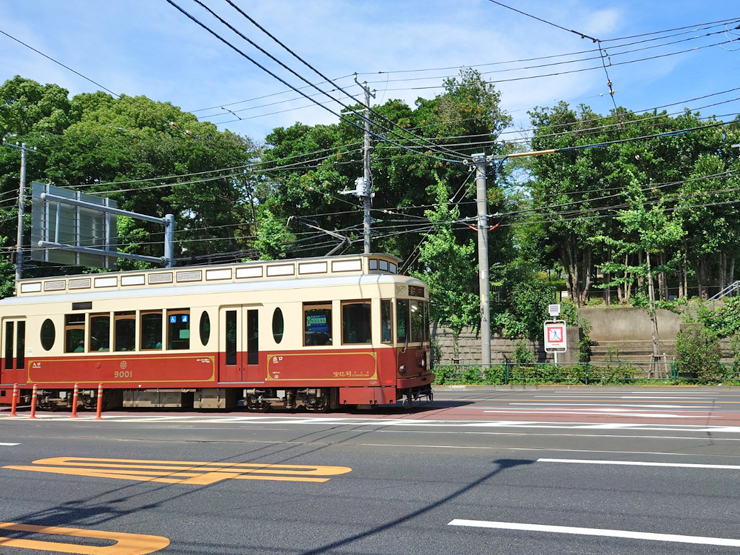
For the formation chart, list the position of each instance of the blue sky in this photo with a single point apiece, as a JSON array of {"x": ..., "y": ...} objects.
[{"x": 146, "y": 47}]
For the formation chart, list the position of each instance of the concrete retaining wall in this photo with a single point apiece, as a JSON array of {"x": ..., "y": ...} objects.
[
  {"x": 617, "y": 333},
  {"x": 468, "y": 348}
]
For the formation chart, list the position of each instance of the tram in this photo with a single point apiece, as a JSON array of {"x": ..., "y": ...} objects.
[{"x": 313, "y": 333}]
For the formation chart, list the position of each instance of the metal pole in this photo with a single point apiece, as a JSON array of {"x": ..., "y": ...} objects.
[
  {"x": 21, "y": 215},
  {"x": 367, "y": 197},
  {"x": 169, "y": 240},
  {"x": 480, "y": 162}
]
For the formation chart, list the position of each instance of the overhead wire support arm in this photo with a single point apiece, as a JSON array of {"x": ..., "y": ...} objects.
[{"x": 344, "y": 240}]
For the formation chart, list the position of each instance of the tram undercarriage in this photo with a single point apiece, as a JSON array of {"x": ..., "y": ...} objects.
[{"x": 318, "y": 399}]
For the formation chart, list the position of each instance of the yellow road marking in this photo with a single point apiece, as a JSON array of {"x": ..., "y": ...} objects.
[
  {"x": 126, "y": 544},
  {"x": 178, "y": 472}
]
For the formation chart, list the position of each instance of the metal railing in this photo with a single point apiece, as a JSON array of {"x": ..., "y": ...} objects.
[{"x": 730, "y": 290}]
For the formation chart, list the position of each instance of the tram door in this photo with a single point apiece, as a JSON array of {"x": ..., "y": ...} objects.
[
  {"x": 14, "y": 349},
  {"x": 239, "y": 354}
]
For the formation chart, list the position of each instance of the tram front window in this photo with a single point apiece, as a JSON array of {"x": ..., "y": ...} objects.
[
  {"x": 386, "y": 322},
  {"x": 416, "y": 310},
  {"x": 402, "y": 321}
]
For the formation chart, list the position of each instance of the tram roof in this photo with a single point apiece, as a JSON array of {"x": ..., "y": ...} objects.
[{"x": 246, "y": 272}]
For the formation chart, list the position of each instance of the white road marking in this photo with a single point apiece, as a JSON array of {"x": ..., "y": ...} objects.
[
  {"x": 9, "y": 444},
  {"x": 607, "y": 405},
  {"x": 643, "y": 463},
  {"x": 519, "y": 434},
  {"x": 649, "y": 536},
  {"x": 604, "y": 412},
  {"x": 388, "y": 422},
  {"x": 674, "y": 398},
  {"x": 615, "y": 396}
]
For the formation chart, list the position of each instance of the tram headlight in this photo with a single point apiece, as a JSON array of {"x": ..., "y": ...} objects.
[
  {"x": 423, "y": 362},
  {"x": 402, "y": 369}
]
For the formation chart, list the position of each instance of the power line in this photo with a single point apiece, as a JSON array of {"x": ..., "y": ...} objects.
[
  {"x": 312, "y": 68},
  {"x": 58, "y": 63},
  {"x": 263, "y": 68}
]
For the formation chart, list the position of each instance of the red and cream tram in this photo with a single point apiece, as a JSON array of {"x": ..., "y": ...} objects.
[{"x": 317, "y": 333}]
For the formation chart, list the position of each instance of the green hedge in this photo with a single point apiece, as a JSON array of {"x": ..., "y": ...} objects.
[{"x": 575, "y": 374}]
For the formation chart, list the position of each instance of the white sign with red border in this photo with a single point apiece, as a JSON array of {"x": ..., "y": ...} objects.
[{"x": 555, "y": 337}]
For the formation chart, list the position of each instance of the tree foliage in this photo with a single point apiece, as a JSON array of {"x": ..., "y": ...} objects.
[{"x": 125, "y": 148}]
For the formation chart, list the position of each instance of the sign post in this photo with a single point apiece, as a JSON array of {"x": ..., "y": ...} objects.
[{"x": 555, "y": 337}]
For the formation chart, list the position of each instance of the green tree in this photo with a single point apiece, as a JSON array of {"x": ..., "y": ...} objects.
[
  {"x": 650, "y": 229},
  {"x": 316, "y": 163},
  {"x": 446, "y": 267},
  {"x": 126, "y": 148}
]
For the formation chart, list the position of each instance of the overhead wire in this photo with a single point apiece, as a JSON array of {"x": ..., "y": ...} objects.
[
  {"x": 58, "y": 63},
  {"x": 692, "y": 29},
  {"x": 272, "y": 74},
  {"x": 414, "y": 138}
]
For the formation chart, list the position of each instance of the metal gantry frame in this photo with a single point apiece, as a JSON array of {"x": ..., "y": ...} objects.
[{"x": 168, "y": 221}]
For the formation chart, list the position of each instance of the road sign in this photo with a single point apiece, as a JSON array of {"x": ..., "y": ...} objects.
[
  {"x": 553, "y": 310},
  {"x": 555, "y": 337}
]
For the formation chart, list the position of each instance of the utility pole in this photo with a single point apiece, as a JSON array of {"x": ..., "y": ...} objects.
[
  {"x": 21, "y": 207},
  {"x": 481, "y": 162},
  {"x": 366, "y": 182}
]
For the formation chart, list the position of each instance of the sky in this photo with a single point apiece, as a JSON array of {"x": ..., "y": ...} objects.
[{"x": 404, "y": 49}]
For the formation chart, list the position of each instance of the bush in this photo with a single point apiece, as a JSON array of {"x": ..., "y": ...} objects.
[
  {"x": 494, "y": 375},
  {"x": 698, "y": 354},
  {"x": 522, "y": 355}
]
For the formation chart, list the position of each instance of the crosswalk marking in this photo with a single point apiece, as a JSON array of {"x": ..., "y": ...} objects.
[{"x": 255, "y": 420}]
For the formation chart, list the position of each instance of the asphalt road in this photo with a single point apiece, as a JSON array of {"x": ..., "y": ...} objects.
[{"x": 546, "y": 470}]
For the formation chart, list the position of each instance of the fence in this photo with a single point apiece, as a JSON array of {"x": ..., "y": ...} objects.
[{"x": 608, "y": 373}]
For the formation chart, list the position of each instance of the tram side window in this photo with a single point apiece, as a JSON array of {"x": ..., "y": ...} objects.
[
  {"x": 125, "y": 329},
  {"x": 178, "y": 329},
  {"x": 151, "y": 330},
  {"x": 356, "y": 324},
  {"x": 317, "y": 324},
  {"x": 416, "y": 311},
  {"x": 205, "y": 328},
  {"x": 74, "y": 333},
  {"x": 386, "y": 322},
  {"x": 48, "y": 334},
  {"x": 99, "y": 332}
]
